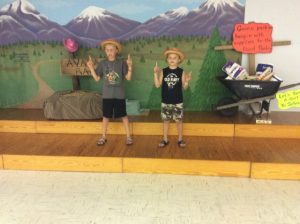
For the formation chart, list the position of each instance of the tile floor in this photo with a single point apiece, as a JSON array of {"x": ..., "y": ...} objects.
[{"x": 31, "y": 197}]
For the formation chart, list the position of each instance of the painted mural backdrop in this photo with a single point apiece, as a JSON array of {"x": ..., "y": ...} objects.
[{"x": 31, "y": 49}]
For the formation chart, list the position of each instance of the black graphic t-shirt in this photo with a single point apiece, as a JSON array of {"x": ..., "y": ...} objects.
[{"x": 171, "y": 92}]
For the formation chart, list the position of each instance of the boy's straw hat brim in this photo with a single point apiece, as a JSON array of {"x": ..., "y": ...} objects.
[
  {"x": 112, "y": 42},
  {"x": 174, "y": 51}
]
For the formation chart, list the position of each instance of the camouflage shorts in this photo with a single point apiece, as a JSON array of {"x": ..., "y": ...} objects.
[{"x": 172, "y": 111}]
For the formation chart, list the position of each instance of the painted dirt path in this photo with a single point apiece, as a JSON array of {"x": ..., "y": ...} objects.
[{"x": 44, "y": 89}]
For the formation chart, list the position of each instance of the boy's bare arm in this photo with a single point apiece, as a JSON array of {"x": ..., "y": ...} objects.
[
  {"x": 129, "y": 64},
  {"x": 158, "y": 76},
  {"x": 158, "y": 79},
  {"x": 90, "y": 65}
]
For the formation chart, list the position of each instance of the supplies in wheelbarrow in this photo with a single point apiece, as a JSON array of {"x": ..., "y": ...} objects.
[
  {"x": 246, "y": 89},
  {"x": 264, "y": 72}
]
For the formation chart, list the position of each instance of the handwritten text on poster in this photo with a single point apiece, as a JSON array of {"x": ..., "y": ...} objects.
[{"x": 253, "y": 38}]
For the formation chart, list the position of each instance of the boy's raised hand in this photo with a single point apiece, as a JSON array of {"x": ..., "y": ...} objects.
[
  {"x": 156, "y": 69},
  {"x": 90, "y": 63},
  {"x": 188, "y": 76},
  {"x": 129, "y": 61}
]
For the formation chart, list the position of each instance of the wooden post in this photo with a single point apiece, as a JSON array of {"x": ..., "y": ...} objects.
[
  {"x": 251, "y": 61},
  {"x": 75, "y": 79},
  {"x": 76, "y": 83},
  {"x": 251, "y": 57}
]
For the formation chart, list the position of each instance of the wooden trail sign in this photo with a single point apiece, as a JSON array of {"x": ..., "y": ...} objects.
[{"x": 76, "y": 66}]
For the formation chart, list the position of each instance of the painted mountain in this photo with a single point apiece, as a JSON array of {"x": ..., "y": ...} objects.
[
  {"x": 200, "y": 21},
  {"x": 98, "y": 23},
  {"x": 20, "y": 21},
  {"x": 212, "y": 13},
  {"x": 158, "y": 26}
]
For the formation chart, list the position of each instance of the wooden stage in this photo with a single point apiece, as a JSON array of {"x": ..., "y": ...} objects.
[{"x": 216, "y": 146}]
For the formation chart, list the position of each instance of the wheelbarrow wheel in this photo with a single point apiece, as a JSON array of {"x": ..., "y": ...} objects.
[{"x": 228, "y": 111}]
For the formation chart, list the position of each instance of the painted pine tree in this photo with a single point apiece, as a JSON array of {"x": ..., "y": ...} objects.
[
  {"x": 208, "y": 90},
  {"x": 187, "y": 98},
  {"x": 154, "y": 101}
]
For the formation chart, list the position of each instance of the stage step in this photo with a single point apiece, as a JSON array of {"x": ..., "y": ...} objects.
[
  {"x": 136, "y": 128},
  {"x": 153, "y": 128},
  {"x": 213, "y": 156}
]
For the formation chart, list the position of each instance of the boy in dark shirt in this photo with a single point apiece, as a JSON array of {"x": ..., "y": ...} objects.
[
  {"x": 113, "y": 71},
  {"x": 172, "y": 79}
]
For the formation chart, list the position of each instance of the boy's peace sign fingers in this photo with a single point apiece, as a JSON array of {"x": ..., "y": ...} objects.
[
  {"x": 188, "y": 76},
  {"x": 156, "y": 68},
  {"x": 90, "y": 62},
  {"x": 129, "y": 60}
]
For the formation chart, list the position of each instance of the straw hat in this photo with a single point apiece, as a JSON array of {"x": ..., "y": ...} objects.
[
  {"x": 113, "y": 42},
  {"x": 174, "y": 50}
]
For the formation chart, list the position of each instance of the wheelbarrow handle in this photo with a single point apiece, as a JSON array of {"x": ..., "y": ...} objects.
[
  {"x": 289, "y": 86},
  {"x": 245, "y": 102}
]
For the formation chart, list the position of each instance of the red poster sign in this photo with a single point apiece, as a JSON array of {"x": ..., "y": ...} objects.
[{"x": 253, "y": 38}]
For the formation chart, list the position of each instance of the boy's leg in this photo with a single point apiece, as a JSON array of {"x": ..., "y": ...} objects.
[
  {"x": 181, "y": 143},
  {"x": 178, "y": 116},
  {"x": 120, "y": 112},
  {"x": 105, "y": 121},
  {"x": 166, "y": 130},
  {"x": 179, "y": 129},
  {"x": 102, "y": 140},
  {"x": 165, "y": 140},
  {"x": 165, "y": 115},
  {"x": 126, "y": 126},
  {"x": 108, "y": 108}
]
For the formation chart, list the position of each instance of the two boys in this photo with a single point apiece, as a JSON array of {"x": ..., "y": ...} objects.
[{"x": 114, "y": 71}]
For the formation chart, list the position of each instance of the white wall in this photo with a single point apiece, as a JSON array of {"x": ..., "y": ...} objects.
[{"x": 284, "y": 16}]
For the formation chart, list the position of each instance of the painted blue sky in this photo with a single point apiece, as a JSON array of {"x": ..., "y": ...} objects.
[{"x": 62, "y": 11}]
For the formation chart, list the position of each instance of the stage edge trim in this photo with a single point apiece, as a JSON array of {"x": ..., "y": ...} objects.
[
  {"x": 267, "y": 131},
  {"x": 190, "y": 167},
  {"x": 63, "y": 163},
  {"x": 17, "y": 126},
  {"x": 189, "y": 129},
  {"x": 275, "y": 171},
  {"x": 1, "y": 162},
  {"x": 136, "y": 128}
]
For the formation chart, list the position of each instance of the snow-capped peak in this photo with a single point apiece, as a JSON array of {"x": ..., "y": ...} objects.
[
  {"x": 24, "y": 5},
  {"x": 175, "y": 13},
  {"x": 220, "y": 3},
  {"x": 93, "y": 12},
  {"x": 181, "y": 11}
]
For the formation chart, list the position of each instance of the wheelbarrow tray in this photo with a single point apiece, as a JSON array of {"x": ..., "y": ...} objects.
[{"x": 250, "y": 89}]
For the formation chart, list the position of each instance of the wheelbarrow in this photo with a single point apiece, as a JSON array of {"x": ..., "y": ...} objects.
[{"x": 249, "y": 92}]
